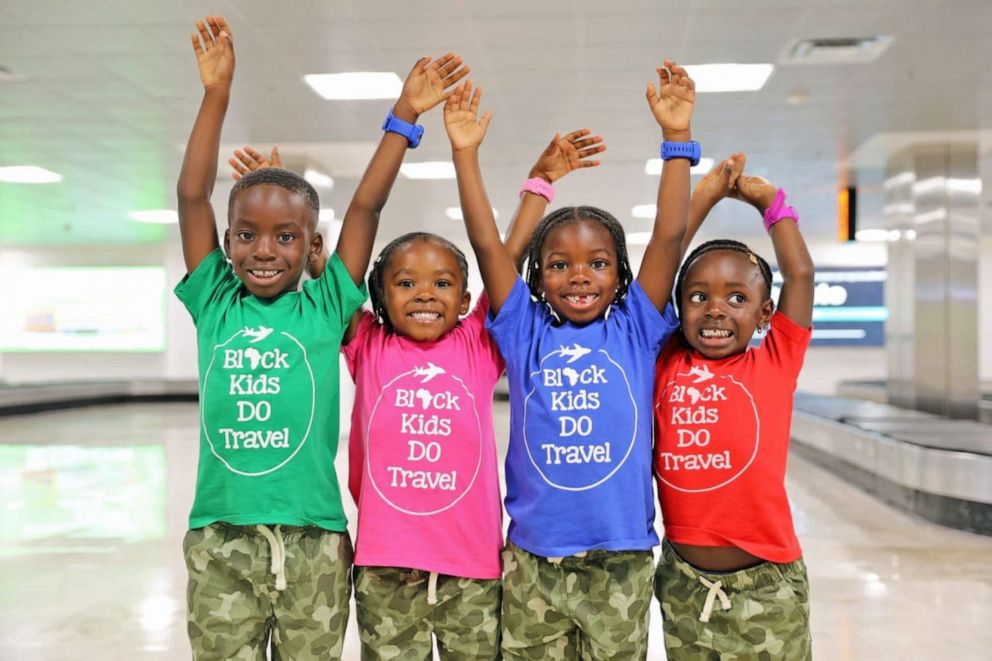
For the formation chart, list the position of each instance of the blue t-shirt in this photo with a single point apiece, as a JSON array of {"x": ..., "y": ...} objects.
[{"x": 578, "y": 468}]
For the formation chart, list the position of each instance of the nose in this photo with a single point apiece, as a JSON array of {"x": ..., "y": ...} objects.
[
  {"x": 578, "y": 275},
  {"x": 424, "y": 295},
  {"x": 714, "y": 309},
  {"x": 265, "y": 248}
]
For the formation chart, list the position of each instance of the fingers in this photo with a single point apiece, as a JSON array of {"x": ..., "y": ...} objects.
[
  {"x": 465, "y": 102},
  {"x": 204, "y": 35},
  {"x": 575, "y": 135},
  {"x": 197, "y": 47},
  {"x": 456, "y": 76},
  {"x": 736, "y": 163},
  {"x": 484, "y": 122},
  {"x": 476, "y": 98},
  {"x": 420, "y": 64},
  {"x": 652, "y": 95},
  {"x": 276, "y": 158}
]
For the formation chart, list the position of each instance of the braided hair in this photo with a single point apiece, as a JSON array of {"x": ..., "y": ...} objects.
[
  {"x": 291, "y": 181},
  {"x": 728, "y": 245},
  {"x": 564, "y": 216},
  {"x": 377, "y": 277}
]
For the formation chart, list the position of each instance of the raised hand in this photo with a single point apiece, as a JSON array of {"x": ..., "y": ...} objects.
[
  {"x": 249, "y": 160},
  {"x": 673, "y": 102},
  {"x": 564, "y": 154},
  {"x": 214, "y": 48},
  {"x": 429, "y": 83},
  {"x": 720, "y": 182},
  {"x": 465, "y": 129},
  {"x": 756, "y": 191}
]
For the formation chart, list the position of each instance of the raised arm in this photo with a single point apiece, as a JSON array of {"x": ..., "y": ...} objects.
[
  {"x": 561, "y": 156},
  {"x": 214, "y": 50},
  {"x": 466, "y": 132},
  {"x": 672, "y": 107},
  {"x": 426, "y": 86},
  {"x": 717, "y": 184},
  {"x": 796, "y": 298},
  {"x": 248, "y": 160}
]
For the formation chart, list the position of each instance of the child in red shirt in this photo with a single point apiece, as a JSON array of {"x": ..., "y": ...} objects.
[{"x": 731, "y": 579}]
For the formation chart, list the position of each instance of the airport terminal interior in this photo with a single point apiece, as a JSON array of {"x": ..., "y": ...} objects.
[{"x": 874, "y": 115}]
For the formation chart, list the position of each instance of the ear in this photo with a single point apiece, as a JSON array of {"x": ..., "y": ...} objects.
[
  {"x": 316, "y": 246},
  {"x": 466, "y": 299},
  {"x": 227, "y": 242},
  {"x": 767, "y": 309}
]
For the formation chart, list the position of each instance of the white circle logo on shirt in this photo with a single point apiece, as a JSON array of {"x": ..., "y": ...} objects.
[
  {"x": 257, "y": 400},
  {"x": 580, "y": 418},
  {"x": 710, "y": 431},
  {"x": 423, "y": 444}
]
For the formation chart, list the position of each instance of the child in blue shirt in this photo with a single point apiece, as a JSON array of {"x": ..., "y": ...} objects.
[{"x": 579, "y": 337}]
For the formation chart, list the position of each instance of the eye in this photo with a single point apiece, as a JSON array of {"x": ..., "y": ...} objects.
[
  {"x": 442, "y": 284},
  {"x": 737, "y": 299},
  {"x": 406, "y": 284},
  {"x": 558, "y": 266},
  {"x": 600, "y": 264},
  {"x": 245, "y": 235},
  {"x": 697, "y": 297},
  {"x": 285, "y": 237}
]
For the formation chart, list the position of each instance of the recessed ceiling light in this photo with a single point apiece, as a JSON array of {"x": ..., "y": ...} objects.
[
  {"x": 355, "y": 85},
  {"x": 318, "y": 179},
  {"x": 161, "y": 216},
  {"x": 429, "y": 170},
  {"x": 455, "y": 213},
  {"x": 644, "y": 211},
  {"x": 729, "y": 77},
  {"x": 653, "y": 166},
  {"x": 28, "y": 174}
]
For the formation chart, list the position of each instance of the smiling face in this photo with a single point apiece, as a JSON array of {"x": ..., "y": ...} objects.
[
  {"x": 579, "y": 276},
  {"x": 724, "y": 299},
  {"x": 424, "y": 290},
  {"x": 272, "y": 234}
]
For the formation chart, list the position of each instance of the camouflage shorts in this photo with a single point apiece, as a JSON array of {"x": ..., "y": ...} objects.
[
  {"x": 396, "y": 620},
  {"x": 591, "y": 607},
  {"x": 765, "y": 617},
  {"x": 235, "y": 610}
]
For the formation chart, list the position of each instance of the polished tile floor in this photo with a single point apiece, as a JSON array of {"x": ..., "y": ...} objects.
[{"x": 93, "y": 506}]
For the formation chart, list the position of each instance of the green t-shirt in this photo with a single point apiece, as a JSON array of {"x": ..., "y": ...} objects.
[{"x": 269, "y": 396}]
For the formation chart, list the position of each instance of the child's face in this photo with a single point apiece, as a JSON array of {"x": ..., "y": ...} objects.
[
  {"x": 424, "y": 290},
  {"x": 579, "y": 270},
  {"x": 270, "y": 239},
  {"x": 724, "y": 299}
]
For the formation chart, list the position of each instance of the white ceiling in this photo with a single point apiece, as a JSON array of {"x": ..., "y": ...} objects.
[{"x": 105, "y": 93}]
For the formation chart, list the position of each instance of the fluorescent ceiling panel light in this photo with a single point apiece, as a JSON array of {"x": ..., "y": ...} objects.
[
  {"x": 318, "y": 179},
  {"x": 429, "y": 170},
  {"x": 729, "y": 77},
  {"x": 653, "y": 166},
  {"x": 644, "y": 211},
  {"x": 355, "y": 85},
  {"x": 872, "y": 235},
  {"x": 638, "y": 238},
  {"x": 455, "y": 213},
  {"x": 29, "y": 174},
  {"x": 160, "y": 216},
  {"x": 326, "y": 215}
]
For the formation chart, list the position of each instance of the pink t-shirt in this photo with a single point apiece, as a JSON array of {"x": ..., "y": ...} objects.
[{"x": 422, "y": 449}]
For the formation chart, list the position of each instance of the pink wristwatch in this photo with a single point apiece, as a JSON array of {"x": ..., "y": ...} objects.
[
  {"x": 779, "y": 210},
  {"x": 540, "y": 187}
]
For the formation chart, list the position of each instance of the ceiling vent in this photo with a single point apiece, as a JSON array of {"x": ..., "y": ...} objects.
[{"x": 838, "y": 50}]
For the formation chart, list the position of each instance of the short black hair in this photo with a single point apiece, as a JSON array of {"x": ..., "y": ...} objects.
[
  {"x": 564, "y": 216},
  {"x": 377, "y": 292},
  {"x": 277, "y": 177},
  {"x": 728, "y": 245}
]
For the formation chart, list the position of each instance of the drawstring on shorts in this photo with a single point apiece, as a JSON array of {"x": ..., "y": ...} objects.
[
  {"x": 432, "y": 588},
  {"x": 278, "y": 550},
  {"x": 715, "y": 590}
]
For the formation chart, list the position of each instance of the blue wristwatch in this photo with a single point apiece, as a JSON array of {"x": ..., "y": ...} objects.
[
  {"x": 412, "y": 132},
  {"x": 690, "y": 150}
]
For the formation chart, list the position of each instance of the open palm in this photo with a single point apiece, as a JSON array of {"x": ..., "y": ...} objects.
[{"x": 461, "y": 117}]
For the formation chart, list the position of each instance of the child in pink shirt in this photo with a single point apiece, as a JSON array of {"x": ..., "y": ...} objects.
[{"x": 422, "y": 449}]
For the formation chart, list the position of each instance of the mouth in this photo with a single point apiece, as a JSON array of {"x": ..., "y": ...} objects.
[
  {"x": 263, "y": 276},
  {"x": 424, "y": 316},
  {"x": 716, "y": 337},
  {"x": 581, "y": 301}
]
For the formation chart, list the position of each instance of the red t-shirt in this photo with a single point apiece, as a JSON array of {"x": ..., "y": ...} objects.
[{"x": 722, "y": 441}]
